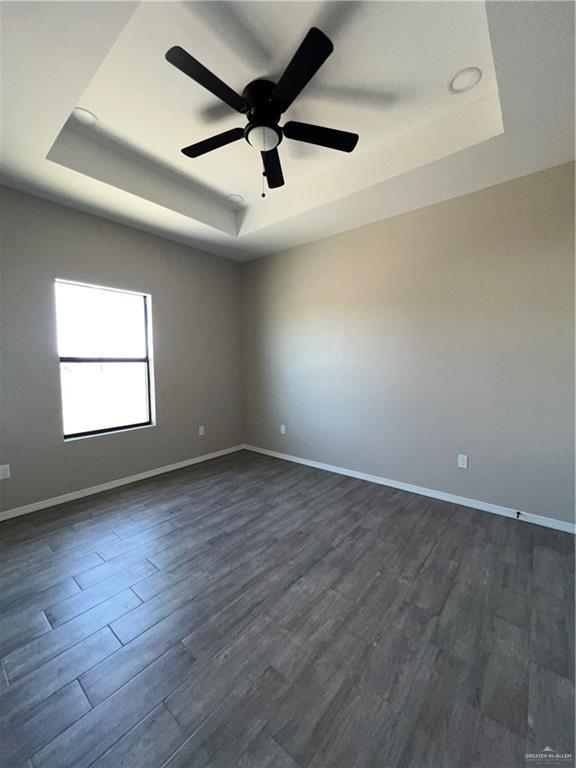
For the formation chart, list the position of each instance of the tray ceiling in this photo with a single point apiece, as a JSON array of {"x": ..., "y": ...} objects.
[{"x": 386, "y": 80}]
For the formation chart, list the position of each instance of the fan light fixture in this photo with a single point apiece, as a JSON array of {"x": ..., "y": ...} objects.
[
  {"x": 263, "y": 137},
  {"x": 465, "y": 80}
]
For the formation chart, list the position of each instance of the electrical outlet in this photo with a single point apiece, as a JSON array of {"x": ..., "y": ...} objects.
[
  {"x": 282, "y": 429},
  {"x": 462, "y": 461},
  {"x": 201, "y": 431},
  {"x": 4, "y": 471}
]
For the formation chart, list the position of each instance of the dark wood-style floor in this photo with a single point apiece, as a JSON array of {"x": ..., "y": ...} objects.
[{"x": 252, "y": 613}]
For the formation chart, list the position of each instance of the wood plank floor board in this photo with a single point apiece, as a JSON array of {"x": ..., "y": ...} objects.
[
  {"x": 513, "y": 606},
  {"x": 394, "y": 660},
  {"x": 252, "y": 613},
  {"x": 552, "y": 632},
  {"x": 350, "y": 739},
  {"x": 42, "y": 682},
  {"x": 71, "y": 541},
  {"x": 223, "y": 625},
  {"x": 551, "y": 571},
  {"x": 133, "y": 532},
  {"x": 307, "y": 708},
  {"x": 14, "y": 558},
  {"x": 461, "y": 625},
  {"x": 214, "y": 680},
  {"x": 148, "y": 745},
  {"x": 109, "y": 675},
  {"x": 36, "y": 575},
  {"x": 455, "y": 542},
  {"x": 429, "y": 716},
  {"x": 350, "y": 549},
  {"x": 447, "y": 743},
  {"x": 372, "y": 618},
  {"x": 189, "y": 755},
  {"x": 3, "y": 679},
  {"x": 19, "y": 627},
  {"x": 87, "y": 739},
  {"x": 92, "y": 596},
  {"x": 505, "y": 689},
  {"x": 322, "y": 620},
  {"x": 189, "y": 568},
  {"x": 38, "y": 597},
  {"x": 481, "y": 571},
  {"x": 497, "y": 747},
  {"x": 233, "y": 724},
  {"x": 170, "y": 553},
  {"x": 409, "y": 560},
  {"x": 550, "y": 712},
  {"x": 43, "y": 723},
  {"x": 160, "y": 606},
  {"x": 298, "y": 647},
  {"x": 113, "y": 565},
  {"x": 357, "y": 581},
  {"x": 142, "y": 552},
  {"x": 40, "y": 650},
  {"x": 294, "y": 605},
  {"x": 265, "y": 752},
  {"x": 246, "y": 721},
  {"x": 432, "y": 584}
]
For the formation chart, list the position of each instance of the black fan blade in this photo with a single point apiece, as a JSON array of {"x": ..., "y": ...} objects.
[
  {"x": 324, "y": 137},
  {"x": 312, "y": 53},
  {"x": 198, "y": 72},
  {"x": 273, "y": 169},
  {"x": 214, "y": 142}
]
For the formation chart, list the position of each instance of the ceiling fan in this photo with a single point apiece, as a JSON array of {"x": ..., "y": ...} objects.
[{"x": 263, "y": 102}]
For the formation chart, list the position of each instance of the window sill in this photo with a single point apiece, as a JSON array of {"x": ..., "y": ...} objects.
[{"x": 111, "y": 431}]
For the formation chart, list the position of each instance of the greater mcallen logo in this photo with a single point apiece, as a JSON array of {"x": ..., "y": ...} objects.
[{"x": 548, "y": 755}]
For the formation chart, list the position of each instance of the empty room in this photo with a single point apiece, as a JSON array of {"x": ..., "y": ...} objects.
[{"x": 287, "y": 402}]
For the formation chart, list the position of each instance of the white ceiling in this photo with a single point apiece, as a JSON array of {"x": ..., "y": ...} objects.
[
  {"x": 386, "y": 80},
  {"x": 388, "y": 73}
]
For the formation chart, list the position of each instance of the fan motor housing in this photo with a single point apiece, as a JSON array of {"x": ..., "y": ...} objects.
[{"x": 261, "y": 110}]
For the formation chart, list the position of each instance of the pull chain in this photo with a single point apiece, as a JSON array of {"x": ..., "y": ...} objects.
[{"x": 263, "y": 168}]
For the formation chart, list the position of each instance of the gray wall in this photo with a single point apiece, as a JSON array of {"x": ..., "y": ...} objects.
[
  {"x": 387, "y": 350},
  {"x": 392, "y": 348},
  {"x": 195, "y": 310}
]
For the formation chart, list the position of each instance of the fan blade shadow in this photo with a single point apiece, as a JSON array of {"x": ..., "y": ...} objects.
[
  {"x": 333, "y": 17},
  {"x": 357, "y": 95},
  {"x": 230, "y": 28}
]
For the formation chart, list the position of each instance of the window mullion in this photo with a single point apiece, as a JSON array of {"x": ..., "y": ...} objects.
[{"x": 67, "y": 359}]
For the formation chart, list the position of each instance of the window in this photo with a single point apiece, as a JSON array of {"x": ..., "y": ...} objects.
[{"x": 103, "y": 343}]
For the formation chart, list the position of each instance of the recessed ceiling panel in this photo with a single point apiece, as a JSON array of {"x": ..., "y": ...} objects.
[
  {"x": 388, "y": 80},
  {"x": 388, "y": 77}
]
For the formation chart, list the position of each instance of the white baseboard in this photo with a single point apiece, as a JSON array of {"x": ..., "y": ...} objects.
[
  {"x": 73, "y": 495},
  {"x": 485, "y": 506}
]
